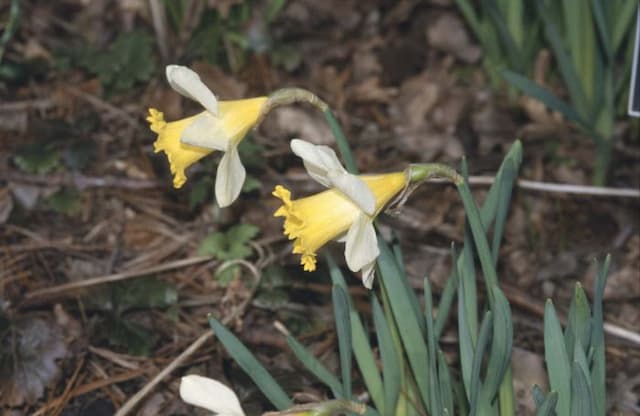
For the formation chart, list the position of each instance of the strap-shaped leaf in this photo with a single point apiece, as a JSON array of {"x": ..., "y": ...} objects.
[
  {"x": 581, "y": 393},
  {"x": 343, "y": 331},
  {"x": 579, "y": 324},
  {"x": 251, "y": 366},
  {"x": 483, "y": 342},
  {"x": 598, "y": 367},
  {"x": 316, "y": 367},
  {"x": 446, "y": 297},
  {"x": 360, "y": 339},
  {"x": 411, "y": 294},
  {"x": 507, "y": 179},
  {"x": 435, "y": 404},
  {"x": 547, "y": 407},
  {"x": 501, "y": 343},
  {"x": 543, "y": 95},
  {"x": 555, "y": 354},
  {"x": 444, "y": 382},
  {"x": 389, "y": 357},
  {"x": 404, "y": 316}
]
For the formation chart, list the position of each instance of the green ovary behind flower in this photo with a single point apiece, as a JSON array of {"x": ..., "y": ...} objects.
[{"x": 315, "y": 220}]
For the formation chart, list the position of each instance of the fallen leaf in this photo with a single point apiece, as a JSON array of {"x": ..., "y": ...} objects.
[
  {"x": 290, "y": 122},
  {"x": 449, "y": 34},
  {"x": 223, "y": 86},
  {"x": 28, "y": 354}
]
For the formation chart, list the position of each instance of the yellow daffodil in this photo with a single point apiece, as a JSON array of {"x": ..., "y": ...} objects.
[
  {"x": 221, "y": 127},
  {"x": 349, "y": 206}
]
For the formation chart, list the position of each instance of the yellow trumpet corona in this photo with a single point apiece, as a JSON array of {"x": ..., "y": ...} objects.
[
  {"x": 315, "y": 220},
  {"x": 228, "y": 127}
]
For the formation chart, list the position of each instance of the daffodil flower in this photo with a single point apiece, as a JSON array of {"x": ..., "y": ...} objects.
[
  {"x": 344, "y": 212},
  {"x": 220, "y": 127}
]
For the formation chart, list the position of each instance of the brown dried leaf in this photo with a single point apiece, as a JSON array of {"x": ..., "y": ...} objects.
[
  {"x": 28, "y": 354},
  {"x": 223, "y": 86},
  {"x": 448, "y": 34},
  {"x": 290, "y": 122}
]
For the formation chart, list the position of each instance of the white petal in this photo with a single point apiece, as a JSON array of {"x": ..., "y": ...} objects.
[
  {"x": 318, "y": 160},
  {"x": 206, "y": 131},
  {"x": 355, "y": 189},
  {"x": 230, "y": 178},
  {"x": 211, "y": 395},
  {"x": 188, "y": 83},
  {"x": 362, "y": 245},
  {"x": 368, "y": 274}
]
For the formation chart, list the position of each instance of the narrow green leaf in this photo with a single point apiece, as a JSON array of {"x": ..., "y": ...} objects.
[
  {"x": 543, "y": 95},
  {"x": 360, "y": 339},
  {"x": 556, "y": 358},
  {"x": 489, "y": 211},
  {"x": 465, "y": 342},
  {"x": 435, "y": 405},
  {"x": 507, "y": 180},
  {"x": 510, "y": 45},
  {"x": 581, "y": 393},
  {"x": 622, "y": 23},
  {"x": 479, "y": 237},
  {"x": 598, "y": 369},
  {"x": 483, "y": 342},
  {"x": 579, "y": 324},
  {"x": 603, "y": 29},
  {"x": 547, "y": 407},
  {"x": 565, "y": 65},
  {"x": 466, "y": 270},
  {"x": 405, "y": 319},
  {"x": 500, "y": 357},
  {"x": 445, "y": 385},
  {"x": 466, "y": 8},
  {"x": 316, "y": 367},
  {"x": 389, "y": 357},
  {"x": 446, "y": 298},
  {"x": 343, "y": 331},
  {"x": 251, "y": 366},
  {"x": 411, "y": 294},
  {"x": 506, "y": 395}
]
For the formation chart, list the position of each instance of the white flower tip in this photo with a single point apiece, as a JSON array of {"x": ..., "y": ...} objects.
[
  {"x": 188, "y": 83},
  {"x": 210, "y": 394},
  {"x": 368, "y": 274},
  {"x": 230, "y": 177}
]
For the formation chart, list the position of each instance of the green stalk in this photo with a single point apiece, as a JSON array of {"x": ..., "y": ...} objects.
[{"x": 341, "y": 141}]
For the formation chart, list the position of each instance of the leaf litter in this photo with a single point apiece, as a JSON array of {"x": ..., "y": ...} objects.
[{"x": 402, "y": 92}]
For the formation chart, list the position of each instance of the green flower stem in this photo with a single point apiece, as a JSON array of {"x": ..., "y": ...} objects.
[
  {"x": 341, "y": 141},
  {"x": 286, "y": 96},
  {"x": 423, "y": 171}
]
